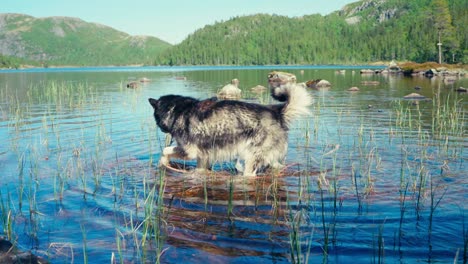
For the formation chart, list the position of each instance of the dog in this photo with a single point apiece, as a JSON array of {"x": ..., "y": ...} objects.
[{"x": 214, "y": 130}]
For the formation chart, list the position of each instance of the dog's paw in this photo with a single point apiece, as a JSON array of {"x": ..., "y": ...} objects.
[
  {"x": 201, "y": 170},
  {"x": 168, "y": 151},
  {"x": 277, "y": 166},
  {"x": 164, "y": 161},
  {"x": 249, "y": 173}
]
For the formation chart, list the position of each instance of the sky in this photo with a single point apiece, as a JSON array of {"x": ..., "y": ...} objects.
[{"x": 169, "y": 20}]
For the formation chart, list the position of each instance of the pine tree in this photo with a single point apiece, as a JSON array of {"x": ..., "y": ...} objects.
[{"x": 445, "y": 29}]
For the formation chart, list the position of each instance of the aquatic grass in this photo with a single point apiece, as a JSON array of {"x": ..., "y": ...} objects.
[
  {"x": 448, "y": 121},
  {"x": 6, "y": 216},
  {"x": 380, "y": 246},
  {"x": 120, "y": 243},
  {"x": 84, "y": 243},
  {"x": 59, "y": 179},
  {"x": 434, "y": 203},
  {"x": 354, "y": 180},
  {"x": 422, "y": 179},
  {"x": 402, "y": 215},
  {"x": 296, "y": 236},
  {"x": 325, "y": 227},
  {"x": 465, "y": 238},
  {"x": 62, "y": 94}
]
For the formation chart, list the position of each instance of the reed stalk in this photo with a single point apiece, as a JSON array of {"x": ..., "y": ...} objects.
[
  {"x": 84, "y": 245},
  {"x": 433, "y": 206},
  {"x": 325, "y": 227}
]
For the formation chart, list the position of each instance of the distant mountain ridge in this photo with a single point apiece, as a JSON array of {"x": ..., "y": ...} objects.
[{"x": 72, "y": 41}]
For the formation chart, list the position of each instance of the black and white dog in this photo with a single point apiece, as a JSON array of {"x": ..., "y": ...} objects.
[{"x": 214, "y": 130}]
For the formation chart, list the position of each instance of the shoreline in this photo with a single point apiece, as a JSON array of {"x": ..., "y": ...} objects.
[{"x": 404, "y": 65}]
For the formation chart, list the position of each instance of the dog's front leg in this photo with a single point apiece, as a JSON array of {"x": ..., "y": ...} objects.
[{"x": 171, "y": 152}]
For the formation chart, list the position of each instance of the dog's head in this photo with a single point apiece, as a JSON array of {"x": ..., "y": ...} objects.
[
  {"x": 169, "y": 108},
  {"x": 161, "y": 113}
]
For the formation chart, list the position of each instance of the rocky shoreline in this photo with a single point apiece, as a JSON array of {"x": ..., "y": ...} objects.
[{"x": 428, "y": 69}]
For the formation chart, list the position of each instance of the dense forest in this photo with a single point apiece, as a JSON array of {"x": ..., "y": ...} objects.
[{"x": 364, "y": 31}]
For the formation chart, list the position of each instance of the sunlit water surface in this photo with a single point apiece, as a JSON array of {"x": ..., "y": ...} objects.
[{"x": 370, "y": 177}]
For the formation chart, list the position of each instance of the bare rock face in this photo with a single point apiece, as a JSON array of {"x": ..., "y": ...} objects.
[
  {"x": 387, "y": 15},
  {"x": 278, "y": 78},
  {"x": 358, "y": 11}
]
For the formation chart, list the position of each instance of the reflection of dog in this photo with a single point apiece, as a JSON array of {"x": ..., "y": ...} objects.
[{"x": 212, "y": 130}]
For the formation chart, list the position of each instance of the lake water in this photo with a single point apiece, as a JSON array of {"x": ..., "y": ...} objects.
[{"x": 370, "y": 177}]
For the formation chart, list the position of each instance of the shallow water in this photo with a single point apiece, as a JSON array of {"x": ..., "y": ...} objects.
[{"x": 370, "y": 177}]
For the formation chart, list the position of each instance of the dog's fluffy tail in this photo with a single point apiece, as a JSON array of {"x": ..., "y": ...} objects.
[{"x": 297, "y": 100}]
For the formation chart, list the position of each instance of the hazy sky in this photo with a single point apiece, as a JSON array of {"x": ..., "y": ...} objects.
[{"x": 169, "y": 20}]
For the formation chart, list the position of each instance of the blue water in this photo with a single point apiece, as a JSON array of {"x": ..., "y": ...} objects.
[{"x": 80, "y": 178}]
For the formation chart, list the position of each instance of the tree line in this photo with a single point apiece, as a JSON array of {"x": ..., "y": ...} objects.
[{"x": 411, "y": 34}]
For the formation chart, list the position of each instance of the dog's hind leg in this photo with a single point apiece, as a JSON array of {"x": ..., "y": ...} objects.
[
  {"x": 239, "y": 167},
  {"x": 277, "y": 165},
  {"x": 250, "y": 169}
]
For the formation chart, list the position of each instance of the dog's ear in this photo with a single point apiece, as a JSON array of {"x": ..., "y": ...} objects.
[{"x": 153, "y": 102}]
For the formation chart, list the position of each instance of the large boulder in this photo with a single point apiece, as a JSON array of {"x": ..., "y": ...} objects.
[
  {"x": 230, "y": 91},
  {"x": 393, "y": 68},
  {"x": 318, "y": 83}
]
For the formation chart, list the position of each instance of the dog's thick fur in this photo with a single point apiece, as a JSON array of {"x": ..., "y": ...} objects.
[{"x": 212, "y": 130}]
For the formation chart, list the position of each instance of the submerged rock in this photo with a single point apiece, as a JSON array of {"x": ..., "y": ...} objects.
[
  {"x": 415, "y": 96},
  {"x": 370, "y": 82},
  {"x": 132, "y": 85},
  {"x": 353, "y": 89},
  {"x": 368, "y": 71}
]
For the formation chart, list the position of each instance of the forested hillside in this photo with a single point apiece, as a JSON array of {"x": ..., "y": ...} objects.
[
  {"x": 364, "y": 31},
  {"x": 361, "y": 32},
  {"x": 71, "y": 41}
]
